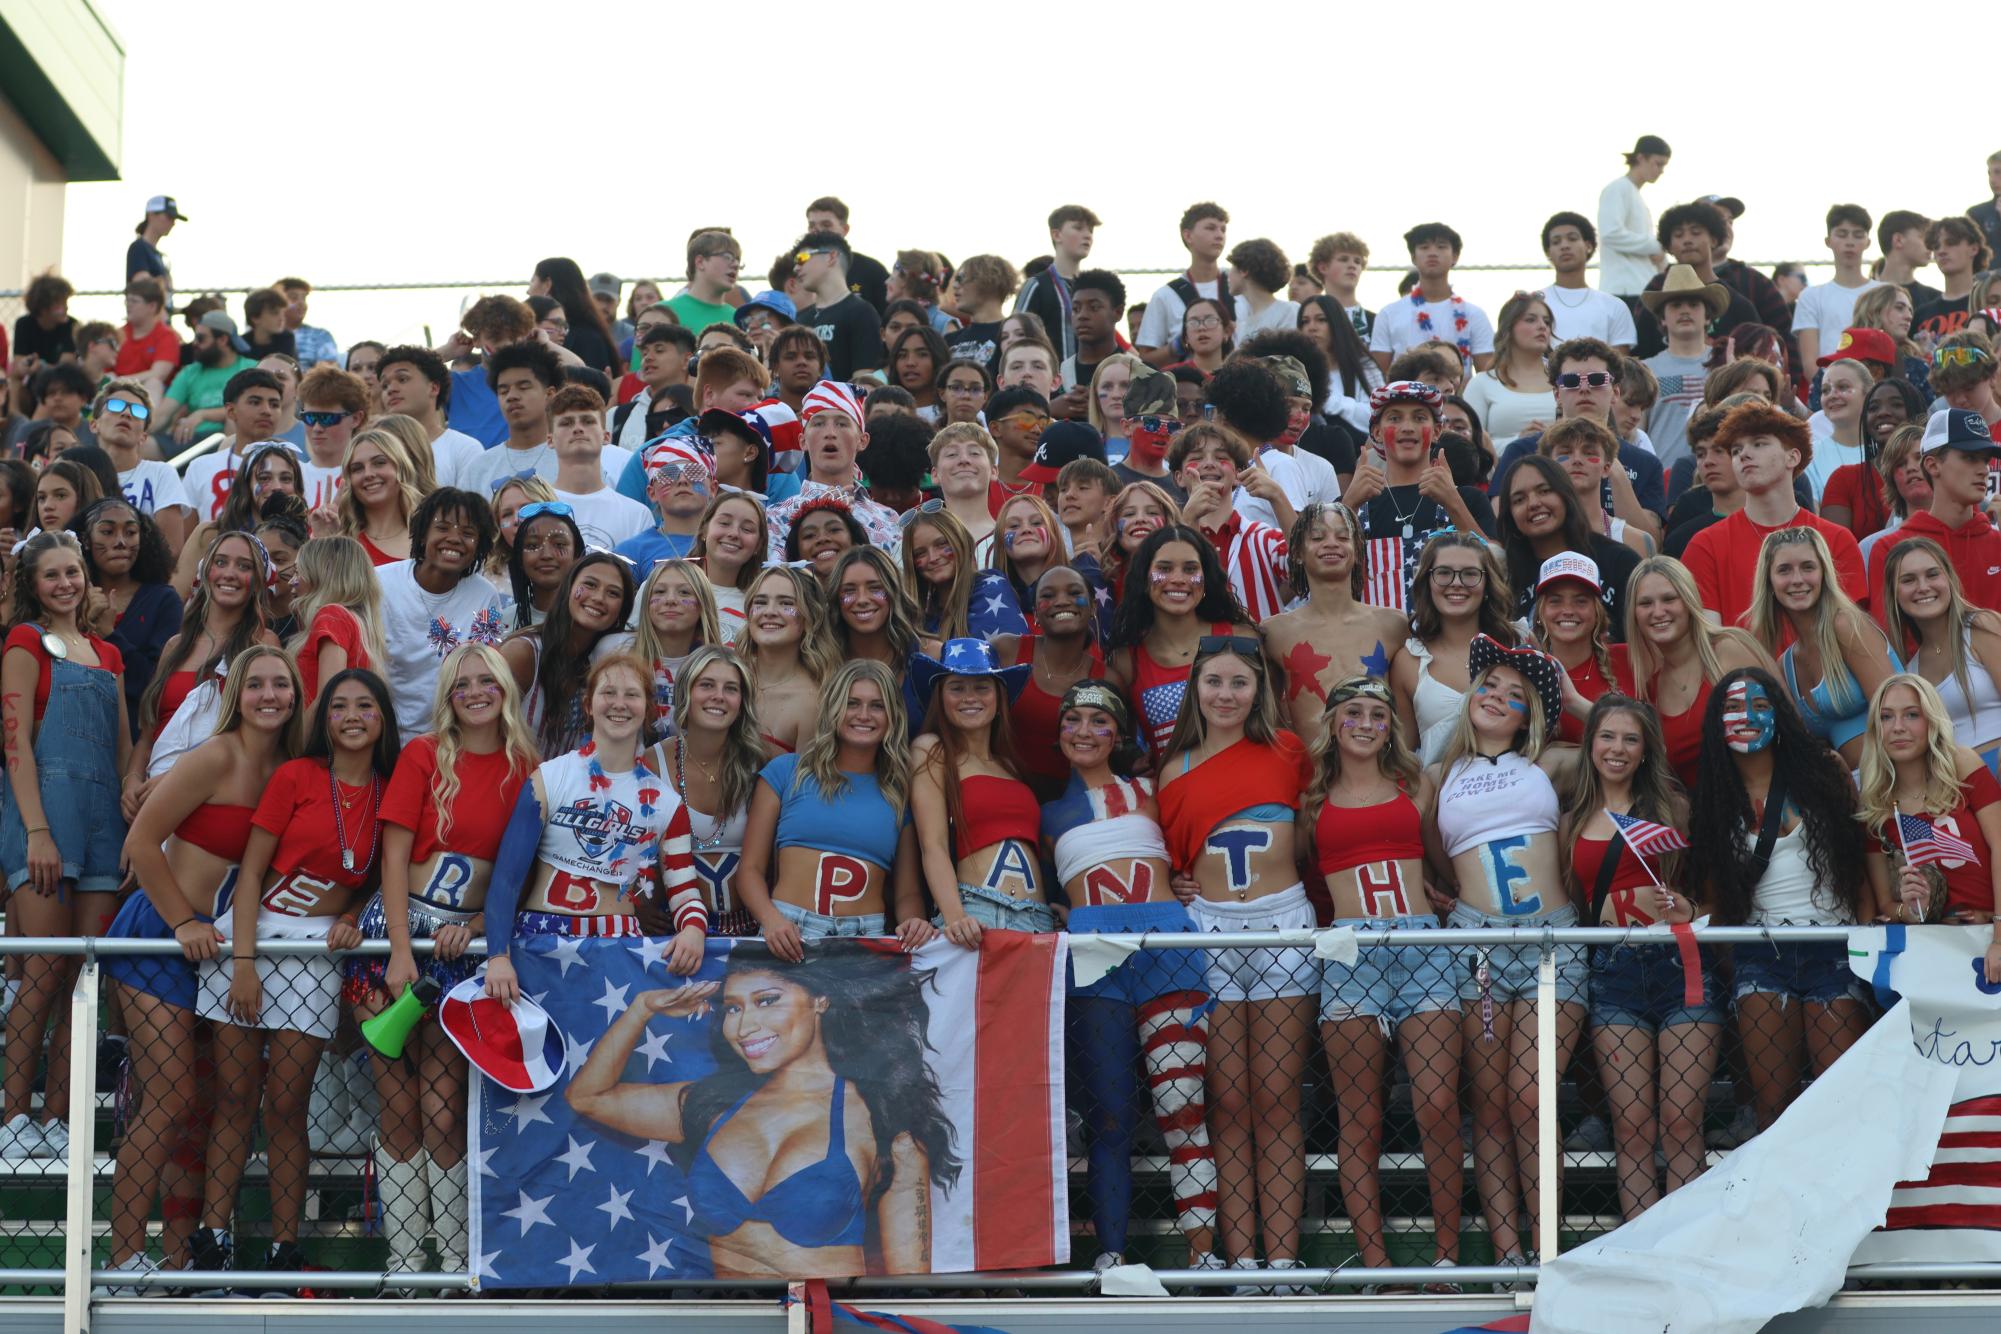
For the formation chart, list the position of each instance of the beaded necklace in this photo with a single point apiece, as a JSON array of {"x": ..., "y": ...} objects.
[
  {"x": 647, "y": 845},
  {"x": 1460, "y": 321}
]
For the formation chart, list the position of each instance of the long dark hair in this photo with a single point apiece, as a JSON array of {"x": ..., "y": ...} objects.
[
  {"x": 874, "y": 1034},
  {"x": 1815, "y": 781},
  {"x": 240, "y": 510},
  {"x": 561, "y": 669},
  {"x": 933, "y": 344},
  {"x": 1350, "y": 357},
  {"x": 1134, "y": 617},
  {"x": 517, "y": 574},
  {"x": 1523, "y": 564},
  {"x": 566, "y": 284},
  {"x": 153, "y": 565},
  {"x": 388, "y": 743}
]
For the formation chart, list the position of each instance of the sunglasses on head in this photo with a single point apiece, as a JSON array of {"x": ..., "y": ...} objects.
[
  {"x": 1244, "y": 646},
  {"x": 500, "y": 483},
  {"x": 323, "y": 418},
  {"x": 132, "y": 408},
  {"x": 910, "y": 516},
  {"x": 556, "y": 507},
  {"x": 1593, "y": 379}
]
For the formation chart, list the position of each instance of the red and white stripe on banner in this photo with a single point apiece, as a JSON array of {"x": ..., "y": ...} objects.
[
  {"x": 1384, "y": 586},
  {"x": 1012, "y": 1207},
  {"x": 1963, "y": 1189}
]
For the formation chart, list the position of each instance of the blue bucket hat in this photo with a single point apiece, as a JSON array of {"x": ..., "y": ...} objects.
[
  {"x": 776, "y": 302},
  {"x": 966, "y": 657}
]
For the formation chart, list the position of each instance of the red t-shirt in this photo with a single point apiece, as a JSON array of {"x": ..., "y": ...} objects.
[
  {"x": 27, "y": 637},
  {"x": 138, "y": 355},
  {"x": 480, "y": 811},
  {"x": 1968, "y": 885},
  {"x": 1724, "y": 560},
  {"x": 1859, "y": 487},
  {"x": 1591, "y": 683},
  {"x": 331, "y": 625},
  {"x": 298, "y": 808}
]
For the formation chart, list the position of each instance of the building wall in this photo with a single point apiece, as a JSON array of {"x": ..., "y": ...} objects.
[{"x": 31, "y": 223}]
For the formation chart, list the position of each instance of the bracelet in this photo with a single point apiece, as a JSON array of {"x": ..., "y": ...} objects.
[
  {"x": 175, "y": 926},
  {"x": 37, "y": 829},
  {"x": 250, "y": 957}
]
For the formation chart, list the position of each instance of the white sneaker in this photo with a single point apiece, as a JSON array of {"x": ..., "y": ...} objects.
[
  {"x": 1290, "y": 1289},
  {"x": 21, "y": 1137},
  {"x": 55, "y": 1140},
  {"x": 140, "y": 1267}
]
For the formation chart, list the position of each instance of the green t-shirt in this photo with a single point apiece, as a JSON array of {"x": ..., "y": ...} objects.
[
  {"x": 697, "y": 315},
  {"x": 198, "y": 387}
]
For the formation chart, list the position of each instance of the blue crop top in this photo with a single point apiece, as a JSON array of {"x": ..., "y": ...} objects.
[
  {"x": 820, "y": 1205},
  {"x": 1817, "y": 709},
  {"x": 859, "y": 823}
]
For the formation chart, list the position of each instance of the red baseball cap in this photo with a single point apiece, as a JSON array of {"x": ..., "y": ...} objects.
[{"x": 1863, "y": 345}]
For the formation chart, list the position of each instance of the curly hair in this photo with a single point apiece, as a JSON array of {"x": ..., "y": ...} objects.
[
  {"x": 1249, "y": 398},
  {"x": 472, "y": 509},
  {"x": 24, "y": 606},
  {"x": 153, "y": 565},
  {"x": 1814, "y": 782},
  {"x": 1133, "y": 620},
  {"x": 1315, "y": 515},
  {"x": 874, "y": 1034},
  {"x": 517, "y": 570},
  {"x": 857, "y": 535}
]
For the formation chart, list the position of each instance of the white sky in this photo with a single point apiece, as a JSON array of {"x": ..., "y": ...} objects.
[{"x": 365, "y": 141}]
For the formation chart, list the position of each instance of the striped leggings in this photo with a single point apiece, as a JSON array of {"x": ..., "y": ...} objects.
[{"x": 1109, "y": 1040}]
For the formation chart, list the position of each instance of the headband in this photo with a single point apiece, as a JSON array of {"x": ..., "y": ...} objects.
[
  {"x": 1095, "y": 695},
  {"x": 1367, "y": 687}
]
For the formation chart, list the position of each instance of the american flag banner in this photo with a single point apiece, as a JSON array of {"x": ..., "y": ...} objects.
[
  {"x": 866, "y": 1111},
  {"x": 1646, "y": 838},
  {"x": 1385, "y": 585},
  {"x": 1925, "y": 843}
]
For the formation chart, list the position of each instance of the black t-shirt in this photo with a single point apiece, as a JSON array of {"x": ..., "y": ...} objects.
[
  {"x": 870, "y": 281},
  {"x": 976, "y": 342},
  {"x": 852, "y": 332},
  {"x": 142, "y": 256},
  {"x": 1921, "y": 294},
  {"x": 1941, "y": 317},
  {"x": 51, "y": 345},
  {"x": 283, "y": 341},
  {"x": 1682, "y": 534},
  {"x": 1616, "y": 563},
  {"x": 590, "y": 347},
  {"x": 1331, "y": 440}
]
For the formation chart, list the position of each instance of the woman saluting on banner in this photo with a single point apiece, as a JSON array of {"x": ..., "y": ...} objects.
[{"x": 816, "y": 1142}]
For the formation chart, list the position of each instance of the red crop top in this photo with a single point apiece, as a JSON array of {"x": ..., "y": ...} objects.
[
  {"x": 1587, "y": 858},
  {"x": 1346, "y": 836},
  {"x": 217, "y": 829},
  {"x": 992, "y": 808}
]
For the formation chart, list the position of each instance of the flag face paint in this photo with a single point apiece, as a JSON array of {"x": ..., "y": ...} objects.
[{"x": 1747, "y": 718}]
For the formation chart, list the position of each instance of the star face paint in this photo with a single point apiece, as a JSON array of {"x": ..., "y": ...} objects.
[{"x": 1748, "y": 723}]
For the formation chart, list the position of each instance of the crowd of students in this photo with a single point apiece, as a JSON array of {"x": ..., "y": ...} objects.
[{"x": 934, "y": 620}]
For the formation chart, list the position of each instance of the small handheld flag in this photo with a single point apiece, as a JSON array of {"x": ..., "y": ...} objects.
[
  {"x": 1924, "y": 842},
  {"x": 1646, "y": 838}
]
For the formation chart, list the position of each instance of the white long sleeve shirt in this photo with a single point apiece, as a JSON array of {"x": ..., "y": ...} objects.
[{"x": 1625, "y": 239}]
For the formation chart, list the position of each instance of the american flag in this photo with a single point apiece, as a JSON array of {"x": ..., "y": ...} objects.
[
  {"x": 1385, "y": 585},
  {"x": 1162, "y": 706},
  {"x": 1254, "y": 556},
  {"x": 1924, "y": 842},
  {"x": 1646, "y": 838},
  {"x": 1963, "y": 1188}
]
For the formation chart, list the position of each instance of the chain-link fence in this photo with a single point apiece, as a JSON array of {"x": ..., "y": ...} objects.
[{"x": 1433, "y": 1116}]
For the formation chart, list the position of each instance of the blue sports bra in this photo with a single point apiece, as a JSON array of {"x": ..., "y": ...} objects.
[
  {"x": 820, "y": 1205},
  {"x": 1269, "y": 812},
  {"x": 858, "y": 823},
  {"x": 1817, "y": 706}
]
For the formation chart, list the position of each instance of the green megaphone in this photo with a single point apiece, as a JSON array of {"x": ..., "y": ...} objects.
[{"x": 388, "y": 1031}]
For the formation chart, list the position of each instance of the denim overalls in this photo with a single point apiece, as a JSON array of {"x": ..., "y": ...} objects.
[{"x": 76, "y": 757}]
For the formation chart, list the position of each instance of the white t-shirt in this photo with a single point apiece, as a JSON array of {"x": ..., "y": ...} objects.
[
  {"x": 1828, "y": 454},
  {"x": 605, "y": 517},
  {"x": 151, "y": 486},
  {"x": 208, "y": 479},
  {"x": 451, "y": 453},
  {"x": 1322, "y": 483},
  {"x": 322, "y": 484},
  {"x": 1397, "y": 329},
  {"x": 1505, "y": 412},
  {"x": 1279, "y": 314},
  {"x": 1161, "y": 324},
  {"x": 1830, "y": 308},
  {"x": 420, "y": 629},
  {"x": 1291, "y": 479},
  {"x": 479, "y": 474},
  {"x": 1586, "y": 312}
]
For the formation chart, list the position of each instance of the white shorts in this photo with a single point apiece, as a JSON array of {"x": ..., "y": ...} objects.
[
  {"x": 1259, "y": 974},
  {"x": 301, "y": 991}
]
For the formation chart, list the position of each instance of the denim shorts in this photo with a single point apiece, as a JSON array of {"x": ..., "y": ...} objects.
[
  {"x": 1148, "y": 974},
  {"x": 1002, "y": 912},
  {"x": 819, "y": 926},
  {"x": 1641, "y": 986},
  {"x": 1390, "y": 983},
  {"x": 1511, "y": 969},
  {"x": 1815, "y": 971}
]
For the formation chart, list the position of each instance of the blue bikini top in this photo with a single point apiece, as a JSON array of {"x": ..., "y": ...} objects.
[{"x": 820, "y": 1205}]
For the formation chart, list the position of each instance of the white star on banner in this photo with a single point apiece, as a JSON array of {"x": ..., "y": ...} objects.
[
  {"x": 578, "y": 1261},
  {"x": 994, "y": 604},
  {"x": 612, "y": 1002},
  {"x": 568, "y": 953},
  {"x": 687, "y": 1212},
  {"x": 655, "y": 1154},
  {"x": 527, "y": 1110},
  {"x": 482, "y": 1265},
  {"x": 577, "y": 1157},
  {"x": 639, "y": 947},
  {"x": 530, "y": 1212},
  {"x": 655, "y": 1049},
  {"x": 479, "y": 1163},
  {"x": 655, "y": 1256},
  {"x": 575, "y": 1053},
  {"x": 614, "y": 1208}
]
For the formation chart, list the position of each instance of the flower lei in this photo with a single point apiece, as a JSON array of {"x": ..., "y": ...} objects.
[
  {"x": 1460, "y": 322},
  {"x": 649, "y": 792}
]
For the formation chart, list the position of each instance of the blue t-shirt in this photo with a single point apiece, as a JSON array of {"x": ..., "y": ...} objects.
[
  {"x": 475, "y": 410},
  {"x": 858, "y": 823},
  {"x": 650, "y": 548}
]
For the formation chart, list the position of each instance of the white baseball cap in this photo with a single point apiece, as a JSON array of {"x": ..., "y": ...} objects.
[{"x": 1569, "y": 565}]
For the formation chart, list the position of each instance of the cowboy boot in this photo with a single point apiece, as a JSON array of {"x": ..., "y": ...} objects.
[{"x": 405, "y": 1201}]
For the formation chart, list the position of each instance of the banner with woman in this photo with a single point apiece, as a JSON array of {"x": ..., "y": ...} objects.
[{"x": 865, "y": 1111}]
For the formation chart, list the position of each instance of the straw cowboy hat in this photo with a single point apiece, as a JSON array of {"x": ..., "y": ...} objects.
[{"x": 1681, "y": 280}]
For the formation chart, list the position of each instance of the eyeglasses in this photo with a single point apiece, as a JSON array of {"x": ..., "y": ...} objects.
[
  {"x": 556, "y": 507},
  {"x": 1445, "y": 576},
  {"x": 931, "y": 506},
  {"x": 137, "y": 411},
  {"x": 965, "y": 389},
  {"x": 1156, "y": 425},
  {"x": 1205, "y": 322},
  {"x": 1593, "y": 379},
  {"x": 320, "y": 419},
  {"x": 1944, "y": 356},
  {"x": 1244, "y": 646},
  {"x": 498, "y": 484}
]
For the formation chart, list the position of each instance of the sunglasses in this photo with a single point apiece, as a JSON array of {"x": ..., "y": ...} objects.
[
  {"x": 324, "y": 419},
  {"x": 1244, "y": 646},
  {"x": 137, "y": 411},
  {"x": 910, "y": 516},
  {"x": 673, "y": 473},
  {"x": 500, "y": 483},
  {"x": 799, "y": 260},
  {"x": 1594, "y": 379},
  {"x": 1944, "y": 356},
  {"x": 1028, "y": 419},
  {"x": 556, "y": 507},
  {"x": 1156, "y": 425}
]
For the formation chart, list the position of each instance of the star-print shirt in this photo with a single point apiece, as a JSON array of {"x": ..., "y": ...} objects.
[
  {"x": 421, "y": 629},
  {"x": 878, "y": 521}
]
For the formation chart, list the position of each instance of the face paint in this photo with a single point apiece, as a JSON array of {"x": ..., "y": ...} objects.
[
  {"x": 1748, "y": 724},
  {"x": 1518, "y": 706}
]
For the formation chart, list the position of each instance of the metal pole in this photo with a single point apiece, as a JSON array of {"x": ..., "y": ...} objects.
[
  {"x": 1547, "y": 1162},
  {"x": 77, "y": 1239}
]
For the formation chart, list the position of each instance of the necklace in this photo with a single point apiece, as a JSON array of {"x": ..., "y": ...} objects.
[
  {"x": 1460, "y": 321},
  {"x": 1556, "y": 294},
  {"x": 648, "y": 793},
  {"x": 715, "y": 836},
  {"x": 1417, "y": 503},
  {"x": 340, "y": 821}
]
